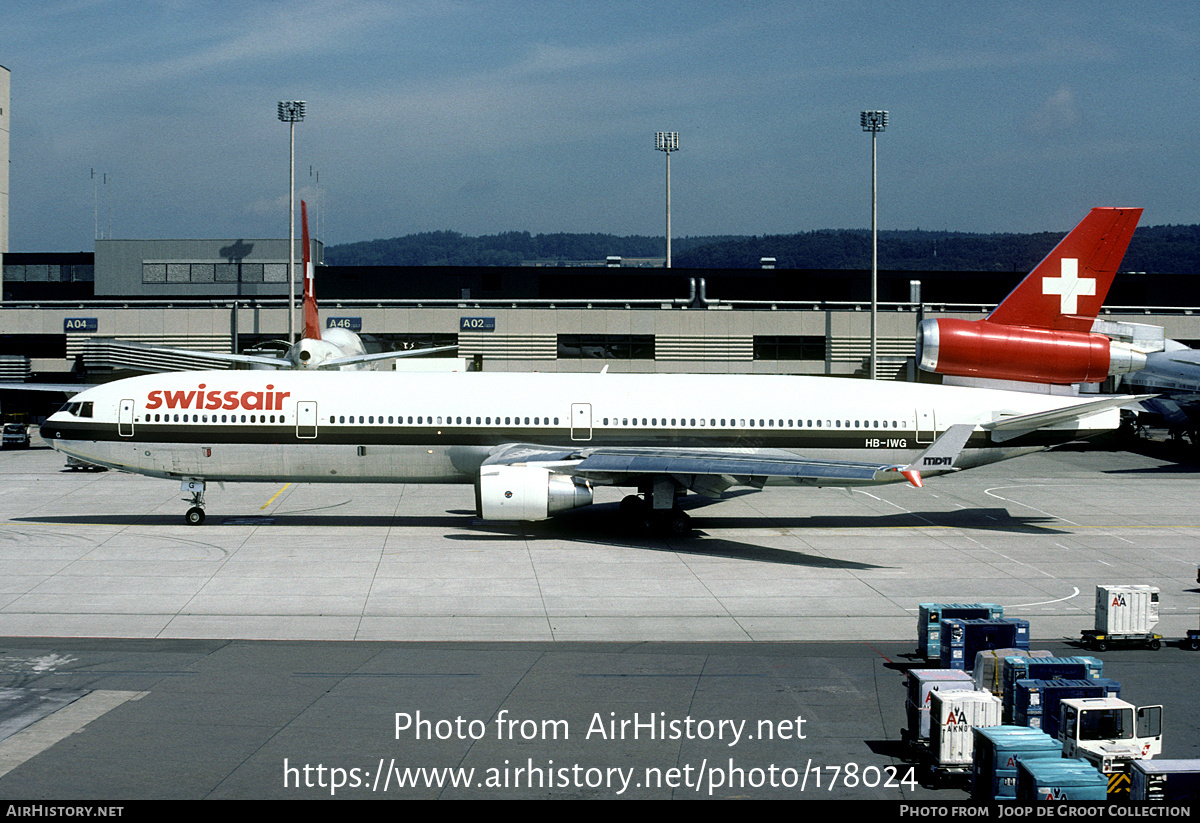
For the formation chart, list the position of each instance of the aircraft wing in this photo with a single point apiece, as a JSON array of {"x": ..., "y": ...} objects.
[
  {"x": 1176, "y": 410},
  {"x": 66, "y": 388},
  {"x": 1006, "y": 428},
  {"x": 338, "y": 362},
  {"x": 198, "y": 359},
  {"x": 711, "y": 471}
]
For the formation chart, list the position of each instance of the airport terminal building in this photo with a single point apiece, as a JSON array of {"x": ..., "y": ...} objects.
[{"x": 60, "y": 311}]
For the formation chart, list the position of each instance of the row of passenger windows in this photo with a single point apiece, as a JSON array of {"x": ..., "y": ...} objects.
[
  {"x": 692, "y": 422},
  {"x": 625, "y": 422},
  {"x": 754, "y": 423},
  {"x": 421, "y": 420},
  {"x": 215, "y": 418}
]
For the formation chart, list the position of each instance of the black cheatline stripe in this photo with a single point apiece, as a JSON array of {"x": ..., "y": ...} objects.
[{"x": 455, "y": 435}]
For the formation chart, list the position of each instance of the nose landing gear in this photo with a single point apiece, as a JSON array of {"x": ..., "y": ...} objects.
[{"x": 195, "y": 515}]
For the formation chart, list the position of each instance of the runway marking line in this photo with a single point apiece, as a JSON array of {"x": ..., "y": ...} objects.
[
  {"x": 272, "y": 500},
  {"x": 68, "y": 720}
]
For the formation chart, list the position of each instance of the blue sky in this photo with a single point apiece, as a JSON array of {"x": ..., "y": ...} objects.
[{"x": 481, "y": 117}]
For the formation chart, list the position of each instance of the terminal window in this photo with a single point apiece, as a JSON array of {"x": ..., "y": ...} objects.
[
  {"x": 215, "y": 272},
  {"x": 789, "y": 347},
  {"x": 606, "y": 346}
]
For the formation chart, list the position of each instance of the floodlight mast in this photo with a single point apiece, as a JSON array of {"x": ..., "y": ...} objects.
[
  {"x": 291, "y": 112},
  {"x": 874, "y": 122},
  {"x": 667, "y": 142}
]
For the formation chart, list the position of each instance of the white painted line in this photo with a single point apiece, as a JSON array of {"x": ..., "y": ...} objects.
[
  {"x": 43, "y": 734},
  {"x": 1074, "y": 593}
]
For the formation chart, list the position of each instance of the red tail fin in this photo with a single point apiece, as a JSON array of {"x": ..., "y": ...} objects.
[
  {"x": 312, "y": 321},
  {"x": 1065, "y": 291}
]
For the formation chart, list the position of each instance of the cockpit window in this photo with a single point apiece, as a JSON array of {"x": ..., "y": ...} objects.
[{"x": 77, "y": 409}]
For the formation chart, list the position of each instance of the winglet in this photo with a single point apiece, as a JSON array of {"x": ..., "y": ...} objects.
[
  {"x": 941, "y": 454},
  {"x": 1066, "y": 290},
  {"x": 312, "y": 320}
]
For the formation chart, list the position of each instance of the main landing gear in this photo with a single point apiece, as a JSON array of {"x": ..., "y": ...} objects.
[
  {"x": 195, "y": 515},
  {"x": 656, "y": 508}
]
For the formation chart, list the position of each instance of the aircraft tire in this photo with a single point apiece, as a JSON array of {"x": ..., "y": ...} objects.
[
  {"x": 633, "y": 507},
  {"x": 194, "y": 516},
  {"x": 677, "y": 523}
]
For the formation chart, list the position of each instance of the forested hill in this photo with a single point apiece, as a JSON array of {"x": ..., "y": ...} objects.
[{"x": 1165, "y": 249}]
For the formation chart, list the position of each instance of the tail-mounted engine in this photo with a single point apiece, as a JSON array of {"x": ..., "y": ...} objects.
[{"x": 979, "y": 348}]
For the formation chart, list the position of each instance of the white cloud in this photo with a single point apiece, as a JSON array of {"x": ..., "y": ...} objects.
[{"x": 1058, "y": 112}]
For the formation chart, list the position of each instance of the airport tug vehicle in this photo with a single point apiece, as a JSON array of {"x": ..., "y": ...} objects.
[
  {"x": 1192, "y": 641},
  {"x": 1111, "y": 734}
]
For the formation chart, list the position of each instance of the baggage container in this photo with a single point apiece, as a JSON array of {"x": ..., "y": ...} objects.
[
  {"x": 1019, "y": 667},
  {"x": 994, "y": 768},
  {"x": 1041, "y": 780},
  {"x": 953, "y": 716},
  {"x": 1036, "y": 703},
  {"x": 988, "y": 670},
  {"x": 1125, "y": 616},
  {"x": 1164, "y": 781},
  {"x": 1126, "y": 609},
  {"x": 929, "y": 622},
  {"x": 921, "y": 682},
  {"x": 962, "y": 638}
]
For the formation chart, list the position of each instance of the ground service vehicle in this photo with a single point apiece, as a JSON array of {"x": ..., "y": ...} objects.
[
  {"x": 1111, "y": 734},
  {"x": 16, "y": 436}
]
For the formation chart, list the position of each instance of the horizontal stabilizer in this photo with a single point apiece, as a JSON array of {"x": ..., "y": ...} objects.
[{"x": 1010, "y": 427}]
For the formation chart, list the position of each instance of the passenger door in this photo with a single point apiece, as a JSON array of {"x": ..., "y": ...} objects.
[
  {"x": 125, "y": 419},
  {"x": 581, "y": 421},
  {"x": 306, "y": 419}
]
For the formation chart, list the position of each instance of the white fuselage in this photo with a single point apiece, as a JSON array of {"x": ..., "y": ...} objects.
[
  {"x": 404, "y": 427},
  {"x": 1177, "y": 369}
]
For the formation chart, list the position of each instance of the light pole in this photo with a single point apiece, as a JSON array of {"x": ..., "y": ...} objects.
[
  {"x": 874, "y": 122},
  {"x": 667, "y": 142},
  {"x": 291, "y": 112}
]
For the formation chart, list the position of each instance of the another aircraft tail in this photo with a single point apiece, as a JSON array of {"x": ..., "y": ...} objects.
[
  {"x": 312, "y": 320},
  {"x": 1065, "y": 291}
]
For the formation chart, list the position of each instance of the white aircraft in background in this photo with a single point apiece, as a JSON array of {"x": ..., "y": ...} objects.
[
  {"x": 1173, "y": 376},
  {"x": 334, "y": 348},
  {"x": 537, "y": 444}
]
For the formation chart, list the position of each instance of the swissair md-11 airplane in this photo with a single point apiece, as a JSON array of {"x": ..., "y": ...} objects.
[{"x": 538, "y": 444}]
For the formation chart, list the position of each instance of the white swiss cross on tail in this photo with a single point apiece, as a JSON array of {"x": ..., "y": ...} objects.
[{"x": 1069, "y": 286}]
